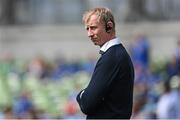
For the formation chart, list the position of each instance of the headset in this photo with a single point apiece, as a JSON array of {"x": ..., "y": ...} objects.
[{"x": 107, "y": 27}]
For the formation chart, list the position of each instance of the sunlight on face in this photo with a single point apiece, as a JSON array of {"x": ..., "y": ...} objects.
[{"x": 96, "y": 31}]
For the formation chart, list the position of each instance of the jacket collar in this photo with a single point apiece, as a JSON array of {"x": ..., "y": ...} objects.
[{"x": 109, "y": 44}]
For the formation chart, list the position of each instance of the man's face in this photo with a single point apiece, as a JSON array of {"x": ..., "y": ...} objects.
[{"x": 96, "y": 31}]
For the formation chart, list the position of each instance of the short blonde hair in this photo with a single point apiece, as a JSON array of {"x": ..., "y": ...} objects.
[{"x": 104, "y": 15}]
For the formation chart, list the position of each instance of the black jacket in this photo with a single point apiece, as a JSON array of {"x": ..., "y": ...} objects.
[{"x": 110, "y": 91}]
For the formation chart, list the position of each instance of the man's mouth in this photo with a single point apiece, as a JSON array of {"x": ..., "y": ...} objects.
[{"x": 93, "y": 39}]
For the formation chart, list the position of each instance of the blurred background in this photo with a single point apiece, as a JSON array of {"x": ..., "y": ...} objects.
[{"x": 46, "y": 57}]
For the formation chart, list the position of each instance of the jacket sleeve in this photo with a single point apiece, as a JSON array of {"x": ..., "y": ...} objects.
[{"x": 106, "y": 69}]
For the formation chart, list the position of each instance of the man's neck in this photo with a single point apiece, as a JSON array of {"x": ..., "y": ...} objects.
[{"x": 110, "y": 38}]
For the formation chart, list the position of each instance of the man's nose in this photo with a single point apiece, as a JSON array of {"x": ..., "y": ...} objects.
[{"x": 90, "y": 33}]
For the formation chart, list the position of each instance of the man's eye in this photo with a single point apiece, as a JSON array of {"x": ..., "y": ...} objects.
[{"x": 93, "y": 28}]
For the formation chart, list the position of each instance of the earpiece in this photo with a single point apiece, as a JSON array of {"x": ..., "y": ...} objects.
[{"x": 108, "y": 28}]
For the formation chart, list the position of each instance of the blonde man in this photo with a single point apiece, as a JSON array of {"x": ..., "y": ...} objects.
[{"x": 110, "y": 91}]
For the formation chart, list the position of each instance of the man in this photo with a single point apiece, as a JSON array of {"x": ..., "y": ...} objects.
[{"x": 110, "y": 91}]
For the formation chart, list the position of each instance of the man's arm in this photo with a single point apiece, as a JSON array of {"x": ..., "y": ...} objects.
[{"x": 90, "y": 98}]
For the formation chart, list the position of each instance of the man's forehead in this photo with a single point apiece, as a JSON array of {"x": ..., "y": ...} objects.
[
  {"x": 93, "y": 21},
  {"x": 91, "y": 24}
]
